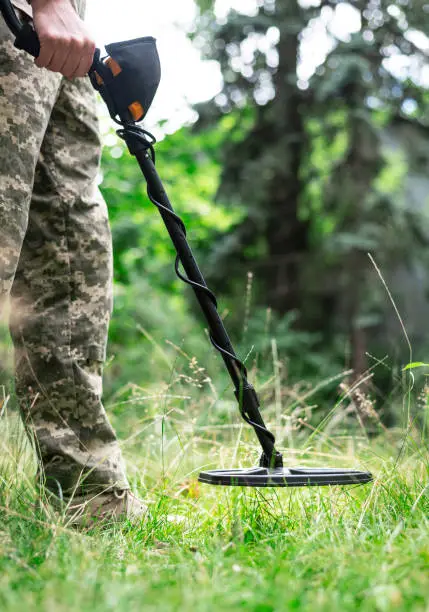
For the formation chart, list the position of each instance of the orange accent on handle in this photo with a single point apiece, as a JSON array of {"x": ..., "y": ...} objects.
[
  {"x": 115, "y": 68},
  {"x": 99, "y": 79},
  {"x": 136, "y": 110}
]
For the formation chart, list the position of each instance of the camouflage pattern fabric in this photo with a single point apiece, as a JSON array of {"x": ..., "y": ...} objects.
[
  {"x": 56, "y": 264},
  {"x": 24, "y": 5}
]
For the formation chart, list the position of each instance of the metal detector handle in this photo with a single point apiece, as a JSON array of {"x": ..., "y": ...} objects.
[{"x": 26, "y": 38}]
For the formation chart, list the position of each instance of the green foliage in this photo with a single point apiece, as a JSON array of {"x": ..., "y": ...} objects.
[
  {"x": 416, "y": 364},
  {"x": 187, "y": 164},
  {"x": 393, "y": 175}
]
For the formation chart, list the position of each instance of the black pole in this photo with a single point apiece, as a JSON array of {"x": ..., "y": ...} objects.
[{"x": 244, "y": 391}]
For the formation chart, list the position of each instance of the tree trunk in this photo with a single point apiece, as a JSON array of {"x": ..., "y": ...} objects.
[{"x": 286, "y": 234}]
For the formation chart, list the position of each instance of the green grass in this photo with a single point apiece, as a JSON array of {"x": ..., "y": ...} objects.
[{"x": 202, "y": 548}]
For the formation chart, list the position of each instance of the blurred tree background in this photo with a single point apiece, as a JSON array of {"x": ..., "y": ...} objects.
[
  {"x": 330, "y": 165},
  {"x": 314, "y": 154}
]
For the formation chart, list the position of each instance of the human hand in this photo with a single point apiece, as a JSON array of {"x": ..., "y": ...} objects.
[{"x": 65, "y": 44}]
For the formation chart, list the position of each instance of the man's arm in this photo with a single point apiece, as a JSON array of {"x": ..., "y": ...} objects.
[{"x": 65, "y": 45}]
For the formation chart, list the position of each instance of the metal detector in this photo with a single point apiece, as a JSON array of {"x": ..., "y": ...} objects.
[{"x": 127, "y": 79}]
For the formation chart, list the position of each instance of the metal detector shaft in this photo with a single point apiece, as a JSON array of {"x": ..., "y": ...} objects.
[{"x": 243, "y": 389}]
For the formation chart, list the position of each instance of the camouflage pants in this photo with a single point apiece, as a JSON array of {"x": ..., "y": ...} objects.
[{"x": 56, "y": 265}]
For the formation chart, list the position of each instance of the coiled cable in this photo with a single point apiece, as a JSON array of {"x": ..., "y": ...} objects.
[{"x": 138, "y": 138}]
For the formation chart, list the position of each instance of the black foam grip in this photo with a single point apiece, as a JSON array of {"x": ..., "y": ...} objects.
[{"x": 27, "y": 40}]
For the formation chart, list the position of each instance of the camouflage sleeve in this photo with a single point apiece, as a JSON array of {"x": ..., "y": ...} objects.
[{"x": 24, "y": 6}]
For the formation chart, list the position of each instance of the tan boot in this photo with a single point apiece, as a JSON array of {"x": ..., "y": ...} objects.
[{"x": 100, "y": 509}]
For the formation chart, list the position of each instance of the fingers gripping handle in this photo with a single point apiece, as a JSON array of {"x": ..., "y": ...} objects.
[{"x": 26, "y": 38}]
